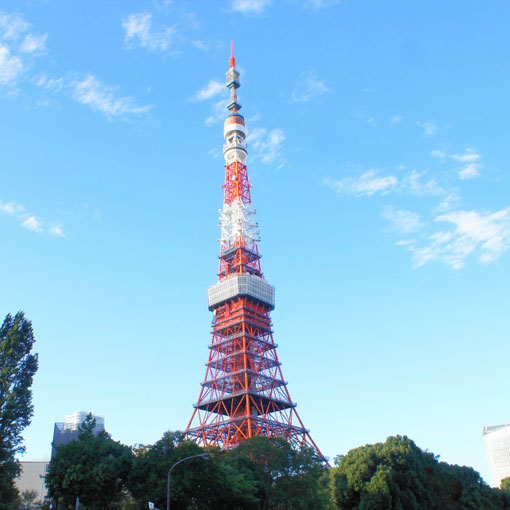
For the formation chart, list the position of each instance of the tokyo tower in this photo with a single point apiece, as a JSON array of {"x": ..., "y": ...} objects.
[{"x": 243, "y": 393}]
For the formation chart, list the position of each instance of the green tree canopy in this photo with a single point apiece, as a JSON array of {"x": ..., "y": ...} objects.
[
  {"x": 196, "y": 483},
  {"x": 287, "y": 478},
  {"x": 505, "y": 484},
  {"x": 94, "y": 468},
  {"x": 261, "y": 473},
  {"x": 397, "y": 475},
  {"x": 17, "y": 369}
]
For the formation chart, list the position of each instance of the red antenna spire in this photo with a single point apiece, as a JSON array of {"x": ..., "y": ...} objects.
[{"x": 232, "y": 59}]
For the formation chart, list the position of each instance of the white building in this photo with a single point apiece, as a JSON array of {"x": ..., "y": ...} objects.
[
  {"x": 68, "y": 430},
  {"x": 73, "y": 421},
  {"x": 497, "y": 446}
]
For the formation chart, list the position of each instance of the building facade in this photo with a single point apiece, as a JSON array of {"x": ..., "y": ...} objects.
[
  {"x": 31, "y": 477},
  {"x": 68, "y": 430},
  {"x": 497, "y": 446}
]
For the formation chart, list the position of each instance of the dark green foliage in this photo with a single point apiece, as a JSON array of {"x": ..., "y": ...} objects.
[
  {"x": 17, "y": 369},
  {"x": 94, "y": 468},
  {"x": 397, "y": 475},
  {"x": 196, "y": 483},
  {"x": 260, "y": 473},
  {"x": 286, "y": 478}
]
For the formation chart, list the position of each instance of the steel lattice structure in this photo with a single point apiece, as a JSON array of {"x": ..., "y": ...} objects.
[{"x": 243, "y": 393}]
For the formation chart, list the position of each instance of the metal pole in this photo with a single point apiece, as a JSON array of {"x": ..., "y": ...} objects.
[{"x": 203, "y": 455}]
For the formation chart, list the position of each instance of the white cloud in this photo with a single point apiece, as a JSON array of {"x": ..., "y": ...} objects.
[
  {"x": 309, "y": 88},
  {"x": 469, "y": 171},
  {"x": 485, "y": 234},
  {"x": 439, "y": 154},
  {"x": 470, "y": 159},
  {"x": 429, "y": 128},
  {"x": 12, "y": 61},
  {"x": 56, "y": 230},
  {"x": 448, "y": 202},
  {"x": 368, "y": 184},
  {"x": 213, "y": 88},
  {"x": 33, "y": 43},
  {"x": 100, "y": 97},
  {"x": 266, "y": 146},
  {"x": 318, "y": 4},
  {"x": 249, "y": 6},
  {"x": 469, "y": 156},
  {"x": 396, "y": 119},
  {"x": 218, "y": 112},
  {"x": 414, "y": 184},
  {"x": 32, "y": 223},
  {"x": 471, "y": 168},
  {"x": 12, "y": 26},
  {"x": 401, "y": 220},
  {"x": 51, "y": 84},
  {"x": 11, "y": 208},
  {"x": 200, "y": 45},
  {"x": 138, "y": 31},
  {"x": 10, "y": 66}
]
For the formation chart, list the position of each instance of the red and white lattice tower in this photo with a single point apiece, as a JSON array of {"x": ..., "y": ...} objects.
[{"x": 243, "y": 393}]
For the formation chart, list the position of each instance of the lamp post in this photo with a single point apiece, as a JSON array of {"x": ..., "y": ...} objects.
[{"x": 203, "y": 455}]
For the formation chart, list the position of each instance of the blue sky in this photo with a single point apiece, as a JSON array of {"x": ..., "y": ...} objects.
[{"x": 378, "y": 156}]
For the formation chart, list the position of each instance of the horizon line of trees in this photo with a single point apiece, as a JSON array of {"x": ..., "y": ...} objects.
[{"x": 262, "y": 474}]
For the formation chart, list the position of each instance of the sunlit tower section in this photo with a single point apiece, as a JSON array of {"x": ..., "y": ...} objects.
[{"x": 243, "y": 393}]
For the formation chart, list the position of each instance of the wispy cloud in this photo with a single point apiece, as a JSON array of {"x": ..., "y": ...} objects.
[
  {"x": 212, "y": 89},
  {"x": 440, "y": 154},
  {"x": 471, "y": 168},
  {"x": 104, "y": 99},
  {"x": 95, "y": 94},
  {"x": 200, "y": 45},
  {"x": 310, "y": 87},
  {"x": 420, "y": 184},
  {"x": 10, "y": 66},
  {"x": 250, "y": 6},
  {"x": 16, "y": 45},
  {"x": 367, "y": 184},
  {"x": 218, "y": 112},
  {"x": 266, "y": 145},
  {"x": 33, "y": 43},
  {"x": 470, "y": 160},
  {"x": 319, "y": 4},
  {"x": 30, "y": 221},
  {"x": 12, "y": 26},
  {"x": 396, "y": 119},
  {"x": 139, "y": 31},
  {"x": 429, "y": 127},
  {"x": 401, "y": 220},
  {"x": 485, "y": 235}
]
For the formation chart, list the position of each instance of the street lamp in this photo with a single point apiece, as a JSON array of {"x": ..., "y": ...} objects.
[{"x": 203, "y": 455}]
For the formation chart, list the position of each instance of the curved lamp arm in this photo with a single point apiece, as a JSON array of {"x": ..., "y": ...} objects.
[{"x": 203, "y": 455}]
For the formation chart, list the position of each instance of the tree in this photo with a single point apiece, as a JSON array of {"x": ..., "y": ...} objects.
[
  {"x": 397, "y": 475},
  {"x": 261, "y": 473},
  {"x": 197, "y": 483},
  {"x": 505, "y": 484},
  {"x": 29, "y": 500},
  {"x": 17, "y": 369},
  {"x": 287, "y": 478},
  {"x": 94, "y": 468}
]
